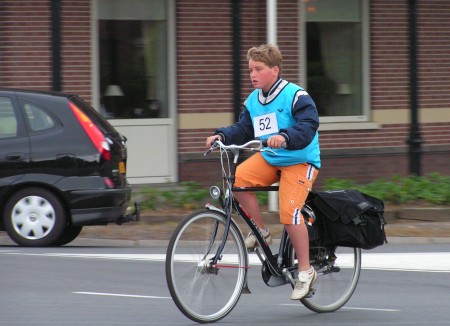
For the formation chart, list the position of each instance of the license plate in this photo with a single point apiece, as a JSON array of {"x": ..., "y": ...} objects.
[{"x": 122, "y": 167}]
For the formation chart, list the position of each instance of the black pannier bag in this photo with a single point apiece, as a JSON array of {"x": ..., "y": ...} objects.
[{"x": 349, "y": 218}]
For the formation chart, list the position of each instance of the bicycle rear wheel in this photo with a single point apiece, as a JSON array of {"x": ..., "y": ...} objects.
[
  {"x": 338, "y": 274},
  {"x": 204, "y": 292}
]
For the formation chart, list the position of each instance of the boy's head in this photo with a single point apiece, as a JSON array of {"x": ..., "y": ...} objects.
[{"x": 266, "y": 53}]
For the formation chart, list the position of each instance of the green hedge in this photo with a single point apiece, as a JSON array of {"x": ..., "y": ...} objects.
[{"x": 433, "y": 189}]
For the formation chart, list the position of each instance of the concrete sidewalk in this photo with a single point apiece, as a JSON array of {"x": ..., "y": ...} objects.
[{"x": 156, "y": 227}]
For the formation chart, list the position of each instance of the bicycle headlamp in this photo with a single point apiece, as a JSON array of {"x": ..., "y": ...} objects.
[{"x": 215, "y": 192}]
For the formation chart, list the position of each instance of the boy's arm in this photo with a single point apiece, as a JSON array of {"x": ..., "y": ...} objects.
[
  {"x": 240, "y": 132},
  {"x": 304, "y": 130}
]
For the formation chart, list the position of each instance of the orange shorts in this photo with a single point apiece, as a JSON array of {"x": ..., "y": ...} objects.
[{"x": 295, "y": 184}]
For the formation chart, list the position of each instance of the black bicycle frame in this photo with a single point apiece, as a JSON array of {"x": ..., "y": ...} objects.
[
  {"x": 231, "y": 203},
  {"x": 273, "y": 262}
]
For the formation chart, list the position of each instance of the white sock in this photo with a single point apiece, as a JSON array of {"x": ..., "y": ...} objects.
[
  {"x": 309, "y": 271},
  {"x": 264, "y": 232}
]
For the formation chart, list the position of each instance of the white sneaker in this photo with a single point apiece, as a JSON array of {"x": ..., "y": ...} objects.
[
  {"x": 250, "y": 240},
  {"x": 304, "y": 284}
]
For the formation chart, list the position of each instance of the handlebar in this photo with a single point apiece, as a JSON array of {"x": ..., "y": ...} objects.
[
  {"x": 261, "y": 146},
  {"x": 264, "y": 143}
]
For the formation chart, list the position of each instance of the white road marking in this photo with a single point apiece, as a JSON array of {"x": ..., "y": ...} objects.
[
  {"x": 169, "y": 298},
  {"x": 416, "y": 262},
  {"x": 122, "y": 295},
  {"x": 371, "y": 309},
  {"x": 348, "y": 308}
]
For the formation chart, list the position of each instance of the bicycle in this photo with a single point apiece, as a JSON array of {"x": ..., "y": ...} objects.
[{"x": 207, "y": 261}]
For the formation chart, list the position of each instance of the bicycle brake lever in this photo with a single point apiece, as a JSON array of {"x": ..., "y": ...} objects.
[
  {"x": 268, "y": 151},
  {"x": 208, "y": 151},
  {"x": 214, "y": 145}
]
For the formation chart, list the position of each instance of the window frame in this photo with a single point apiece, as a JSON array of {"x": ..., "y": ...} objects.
[
  {"x": 365, "y": 64},
  {"x": 144, "y": 168},
  {"x": 171, "y": 69}
]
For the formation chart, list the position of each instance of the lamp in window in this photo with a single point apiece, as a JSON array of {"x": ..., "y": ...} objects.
[
  {"x": 344, "y": 89},
  {"x": 112, "y": 95},
  {"x": 113, "y": 90}
]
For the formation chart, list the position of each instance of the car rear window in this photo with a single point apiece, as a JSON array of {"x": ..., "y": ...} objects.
[
  {"x": 99, "y": 121},
  {"x": 38, "y": 119}
]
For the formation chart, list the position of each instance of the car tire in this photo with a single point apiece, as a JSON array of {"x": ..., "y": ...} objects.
[
  {"x": 34, "y": 217},
  {"x": 70, "y": 234}
]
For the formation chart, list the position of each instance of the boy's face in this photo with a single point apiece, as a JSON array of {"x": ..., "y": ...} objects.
[{"x": 261, "y": 75}]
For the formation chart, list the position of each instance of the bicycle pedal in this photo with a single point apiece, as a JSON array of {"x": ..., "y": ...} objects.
[{"x": 310, "y": 293}]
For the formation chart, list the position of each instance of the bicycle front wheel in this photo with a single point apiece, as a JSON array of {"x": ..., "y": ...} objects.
[
  {"x": 337, "y": 279},
  {"x": 203, "y": 291}
]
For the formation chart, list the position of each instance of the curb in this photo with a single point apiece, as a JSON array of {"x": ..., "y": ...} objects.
[
  {"x": 405, "y": 225},
  {"x": 91, "y": 242},
  {"x": 392, "y": 215}
]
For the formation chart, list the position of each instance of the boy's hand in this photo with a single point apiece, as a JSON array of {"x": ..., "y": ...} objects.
[
  {"x": 276, "y": 141},
  {"x": 210, "y": 140}
]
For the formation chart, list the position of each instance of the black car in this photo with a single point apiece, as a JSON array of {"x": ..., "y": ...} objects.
[{"x": 62, "y": 166}]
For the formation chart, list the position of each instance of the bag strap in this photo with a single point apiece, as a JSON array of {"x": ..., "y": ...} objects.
[{"x": 383, "y": 223}]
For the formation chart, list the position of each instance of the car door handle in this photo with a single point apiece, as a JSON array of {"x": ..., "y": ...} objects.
[{"x": 14, "y": 156}]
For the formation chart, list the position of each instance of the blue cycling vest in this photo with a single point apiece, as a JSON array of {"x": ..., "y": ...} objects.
[{"x": 276, "y": 114}]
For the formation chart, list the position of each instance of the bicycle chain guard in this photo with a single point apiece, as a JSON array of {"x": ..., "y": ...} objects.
[{"x": 270, "y": 279}]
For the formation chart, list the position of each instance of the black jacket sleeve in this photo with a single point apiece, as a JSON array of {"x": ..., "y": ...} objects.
[
  {"x": 306, "y": 116},
  {"x": 239, "y": 133}
]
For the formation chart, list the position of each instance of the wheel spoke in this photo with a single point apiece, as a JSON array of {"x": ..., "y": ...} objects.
[
  {"x": 211, "y": 291},
  {"x": 19, "y": 216},
  {"x": 25, "y": 228}
]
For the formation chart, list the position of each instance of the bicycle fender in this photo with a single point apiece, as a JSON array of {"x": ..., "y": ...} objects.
[{"x": 214, "y": 208}]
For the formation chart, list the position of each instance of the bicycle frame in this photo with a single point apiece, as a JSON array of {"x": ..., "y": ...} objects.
[{"x": 230, "y": 203}]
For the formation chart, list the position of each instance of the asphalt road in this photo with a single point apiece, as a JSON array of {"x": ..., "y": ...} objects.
[{"x": 125, "y": 285}]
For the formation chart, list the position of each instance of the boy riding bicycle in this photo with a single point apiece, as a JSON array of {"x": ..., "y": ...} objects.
[{"x": 285, "y": 115}]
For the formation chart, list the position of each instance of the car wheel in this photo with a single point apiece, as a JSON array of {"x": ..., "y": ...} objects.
[
  {"x": 70, "y": 234},
  {"x": 34, "y": 217}
]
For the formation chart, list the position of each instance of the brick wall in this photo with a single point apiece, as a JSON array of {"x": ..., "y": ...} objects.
[
  {"x": 25, "y": 39},
  {"x": 390, "y": 90},
  {"x": 362, "y": 155},
  {"x": 205, "y": 75},
  {"x": 76, "y": 48},
  {"x": 434, "y": 53},
  {"x": 26, "y": 47},
  {"x": 204, "y": 45},
  {"x": 204, "y": 56}
]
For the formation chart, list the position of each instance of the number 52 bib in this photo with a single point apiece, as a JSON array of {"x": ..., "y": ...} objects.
[{"x": 265, "y": 124}]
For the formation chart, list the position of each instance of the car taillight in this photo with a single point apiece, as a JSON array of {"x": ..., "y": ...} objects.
[
  {"x": 95, "y": 135},
  {"x": 109, "y": 184}
]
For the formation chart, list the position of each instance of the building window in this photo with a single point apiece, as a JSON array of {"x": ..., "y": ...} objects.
[
  {"x": 335, "y": 58},
  {"x": 133, "y": 58}
]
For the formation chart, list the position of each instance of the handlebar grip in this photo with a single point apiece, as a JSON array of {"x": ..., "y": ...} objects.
[{"x": 264, "y": 143}]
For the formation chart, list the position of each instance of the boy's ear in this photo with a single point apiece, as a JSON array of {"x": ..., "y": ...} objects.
[{"x": 276, "y": 70}]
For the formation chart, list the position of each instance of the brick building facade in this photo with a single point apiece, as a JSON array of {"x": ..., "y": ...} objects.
[{"x": 359, "y": 150}]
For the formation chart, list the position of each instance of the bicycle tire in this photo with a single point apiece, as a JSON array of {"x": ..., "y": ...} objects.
[
  {"x": 334, "y": 286},
  {"x": 203, "y": 293}
]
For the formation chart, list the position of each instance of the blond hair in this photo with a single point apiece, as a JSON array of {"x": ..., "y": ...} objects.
[{"x": 267, "y": 53}]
